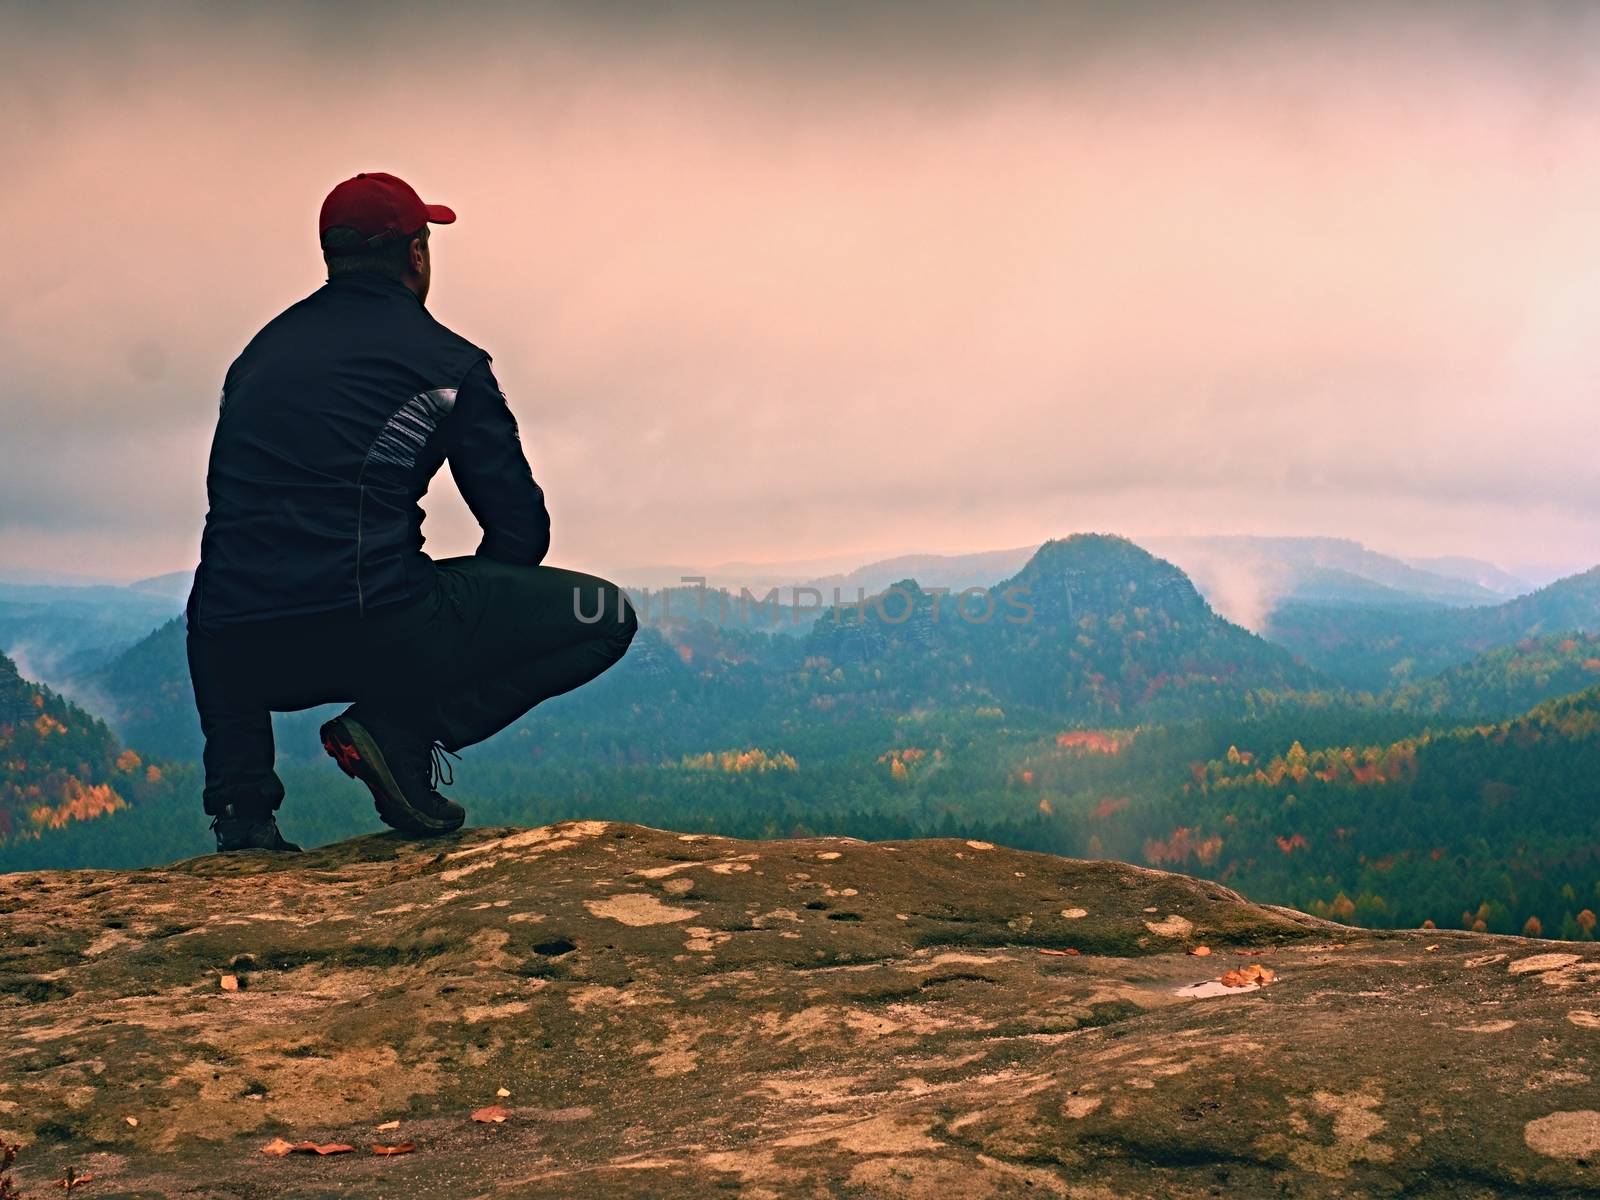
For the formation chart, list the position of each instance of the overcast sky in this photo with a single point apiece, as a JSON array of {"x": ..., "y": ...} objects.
[{"x": 775, "y": 282}]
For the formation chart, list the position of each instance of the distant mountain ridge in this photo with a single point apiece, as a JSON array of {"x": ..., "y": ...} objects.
[
  {"x": 1475, "y": 571},
  {"x": 1136, "y": 635},
  {"x": 1246, "y": 577},
  {"x": 174, "y": 585},
  {"x": 63, "y": 631},
  {"x": 1378, "y": 648},
  {"x": 1243, "y": 577},
  {"x": 1092, "y": 627},
  {"x": 1110, "y": 631}
]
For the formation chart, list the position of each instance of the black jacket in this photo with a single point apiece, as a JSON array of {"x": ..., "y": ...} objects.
[{"x": 333, "y": 421}]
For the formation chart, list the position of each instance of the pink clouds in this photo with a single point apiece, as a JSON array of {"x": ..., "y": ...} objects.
[{"x": 754, "y": 304}]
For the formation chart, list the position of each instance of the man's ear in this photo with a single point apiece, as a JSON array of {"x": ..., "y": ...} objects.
[{"x": 418, "y": 256}]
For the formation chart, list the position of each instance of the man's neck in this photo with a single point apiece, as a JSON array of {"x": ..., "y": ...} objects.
[{"x": 372, "y": 279}]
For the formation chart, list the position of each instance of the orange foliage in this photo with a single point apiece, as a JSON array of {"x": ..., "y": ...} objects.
[
  {"x": 1290, "y": 844},
  {"x": 128, "y": 761},
  {"x": 740, "y": 762},
  {"x": 46, "y": 725},
  {"x": 901, "y": 761},
  {"x": 81, "y": 802},
  {"x": 1181, "y": 846},
  {"x": 1109, "y": 805},
  {"x": 1094, "y": 741},
  {"x": 1368, "y": 767}
]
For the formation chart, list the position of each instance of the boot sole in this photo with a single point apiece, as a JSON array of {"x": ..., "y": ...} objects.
[
  {"x": 282, "y": 846},
  {"x": 358, "y": 756},
  {"x": 285, "y": 848}
]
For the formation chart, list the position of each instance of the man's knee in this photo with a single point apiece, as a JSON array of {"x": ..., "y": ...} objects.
[
  {"x": 605, "y": 609},
  {"x": 627, "y": 623}
]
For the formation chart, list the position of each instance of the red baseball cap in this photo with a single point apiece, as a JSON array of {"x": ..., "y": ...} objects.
[{"x": 379, "y": 207}]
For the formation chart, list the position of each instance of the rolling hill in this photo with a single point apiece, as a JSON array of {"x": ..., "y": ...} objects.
[
  {"x": 1507, "y": 680},
  {"x": 1092, "y": 628},
  {"x": 59, "y": 631},
  {"x": 1375, "y": 648},
  {"x": 1110, "y": 632},
  {"x": 1242, "y": 577}
]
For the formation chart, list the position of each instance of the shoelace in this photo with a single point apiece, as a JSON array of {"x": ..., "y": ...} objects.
[{"x": 440, "y": 770}]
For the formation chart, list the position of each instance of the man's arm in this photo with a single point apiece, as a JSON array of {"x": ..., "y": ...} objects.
[{"x": 486, "y": 460}]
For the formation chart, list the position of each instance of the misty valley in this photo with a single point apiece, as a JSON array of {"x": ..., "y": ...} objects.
[{"x": 1400, "y": 743}]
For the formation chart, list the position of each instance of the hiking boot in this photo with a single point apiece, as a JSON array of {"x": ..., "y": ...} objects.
[
  {"x": 400, "y": 768},
  {"x": 250, "y": 831}
]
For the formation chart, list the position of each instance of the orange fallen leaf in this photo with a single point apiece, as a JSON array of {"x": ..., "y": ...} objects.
[
  {"x": 502, "y": 1092},
  {"x": 1432, "y": 948},
  {"x": 73, "y": 1179},
  {"x": 494, "y": 1114},
  {"x": 133, "y": 1122},
  {"x": 1201, "y": 951},
  {"x": 280, "y": 1148},
  {"x": 1057, "y": 953},
  {"x": 1245, "y": 976},
  {"x": 389, "y": 1125},
  {"x": 402, "y": 1148},
  {"x": 230, "y": 983}
]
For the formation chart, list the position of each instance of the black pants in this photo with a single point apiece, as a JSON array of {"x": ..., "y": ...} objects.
[{"x": 488, "y": 643}]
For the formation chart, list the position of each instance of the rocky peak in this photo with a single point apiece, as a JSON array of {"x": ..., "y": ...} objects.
[{"x": 630, "y": 1012}]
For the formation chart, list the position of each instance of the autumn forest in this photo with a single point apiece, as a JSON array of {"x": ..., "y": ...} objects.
[{"x": 1384, "y": 764}]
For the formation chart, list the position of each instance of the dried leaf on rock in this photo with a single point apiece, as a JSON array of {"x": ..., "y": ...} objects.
[
  {"x": 280, "y": 1148},
  {"x": 1255, "y": 973}
]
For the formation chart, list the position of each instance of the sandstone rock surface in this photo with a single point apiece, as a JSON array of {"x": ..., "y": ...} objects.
[{"x": 666, "y": 1015}]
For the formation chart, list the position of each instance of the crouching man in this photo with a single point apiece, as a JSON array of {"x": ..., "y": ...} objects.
[{"x": 313, "y": 586}]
